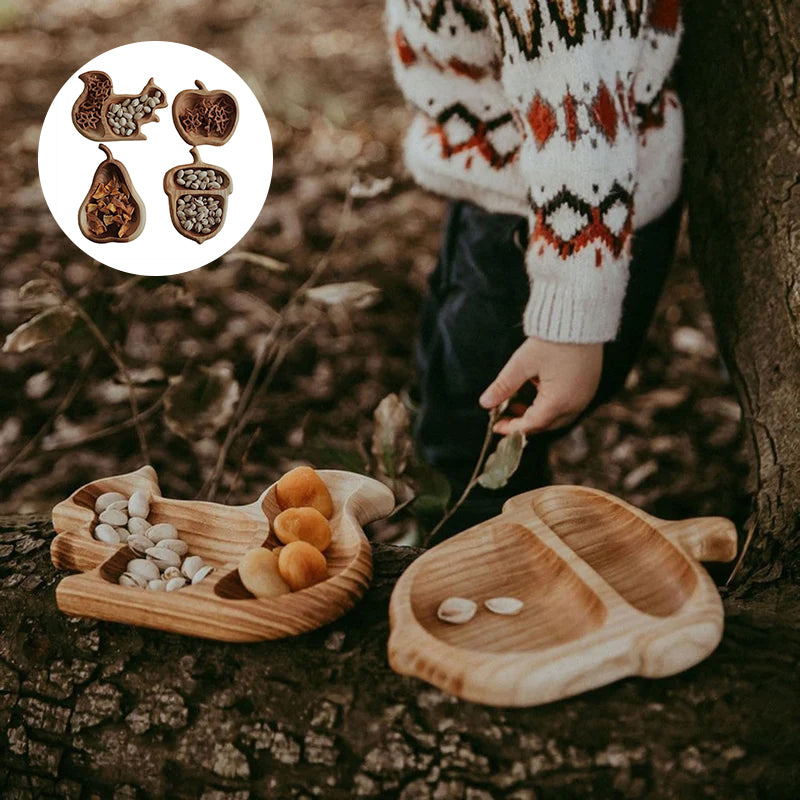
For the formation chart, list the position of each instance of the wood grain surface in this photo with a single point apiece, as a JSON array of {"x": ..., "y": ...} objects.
[
  {"x": 219, "y": 607},
  {"x": 104, "y": 132},
  {"x": 609, "y": 591},
  {"x": 189, "y": 98},
  {"x": 173, "y": 190}
]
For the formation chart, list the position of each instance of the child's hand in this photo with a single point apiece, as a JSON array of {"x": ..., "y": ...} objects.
[{"x": 566, "y": 377}]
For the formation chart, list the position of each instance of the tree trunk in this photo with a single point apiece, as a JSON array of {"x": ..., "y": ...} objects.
[
  {"x": 742, "y": 97},
  {"x": 93, "y": 709}
]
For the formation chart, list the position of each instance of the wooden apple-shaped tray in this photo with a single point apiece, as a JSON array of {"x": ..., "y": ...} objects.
[
  {"x": 106, "y": 198},
  {"x": 181, "y": 195},
  {"x": 205, "y": 116},
  {"x": 608, "y": 591},
  {"x": 219, "y": 607},
  {"x": 98, "y": 110}
]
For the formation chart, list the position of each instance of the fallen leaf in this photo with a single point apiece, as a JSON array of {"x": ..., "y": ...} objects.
[
  {"x": 260, "y": 260},
  {"x": 201, "y": 401},
  {"x": 356, "y": 294},
  {"x": 46, "y": 327}
]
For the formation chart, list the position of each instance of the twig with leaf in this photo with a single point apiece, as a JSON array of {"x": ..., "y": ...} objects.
[
  {"x": 492, "y": 472},
  {"x": 417, "y": 486}
]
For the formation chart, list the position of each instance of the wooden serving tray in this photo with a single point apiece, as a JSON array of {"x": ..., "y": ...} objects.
[
  {"x": 106, "y": 170},
  {"x": 609, "y": 591},
  {"x": 174, "y": 191},
  {"x": 190, "y": 99},
  {"x": 219, "y": 607},
  {"x": 102, "y": 131}
]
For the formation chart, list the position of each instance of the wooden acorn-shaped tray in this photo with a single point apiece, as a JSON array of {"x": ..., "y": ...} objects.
[
  {"x": 205, "y": 116},
  {"x": 103, "y": 116},
  {"x": 112, "y": 210},
  {"x": 209, "y": 189},
  {"x": 219, "y": 607},
  {"x": 608, "y": 591}
]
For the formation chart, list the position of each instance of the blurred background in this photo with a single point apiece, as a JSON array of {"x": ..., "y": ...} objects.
[{"x": 225, "y": 377}]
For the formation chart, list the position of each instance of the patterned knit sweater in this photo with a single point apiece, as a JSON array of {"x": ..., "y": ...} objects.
[{"x": 559, "y": 110}]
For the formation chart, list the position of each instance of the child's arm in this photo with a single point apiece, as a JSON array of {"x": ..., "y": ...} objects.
[{"x": 571, "y": 81}]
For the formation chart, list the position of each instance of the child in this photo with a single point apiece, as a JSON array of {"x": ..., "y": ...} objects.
[{"x": 552, "y": 127}]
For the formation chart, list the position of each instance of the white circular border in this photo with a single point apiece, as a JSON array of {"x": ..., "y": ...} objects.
[{"x": 68, "y": 160}]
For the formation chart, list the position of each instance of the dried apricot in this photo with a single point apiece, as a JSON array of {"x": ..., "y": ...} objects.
[
  {"x": 303, "y": 525},
  {"x": 303, "y": 487},
  {"x": 258, "y": 571},
  {"x": 301, "y": 565}
]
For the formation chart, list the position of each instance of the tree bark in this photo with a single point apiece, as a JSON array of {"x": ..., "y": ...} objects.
[
  {"x": 92, "y": 709},
  {"x": 742, "y": 99}
]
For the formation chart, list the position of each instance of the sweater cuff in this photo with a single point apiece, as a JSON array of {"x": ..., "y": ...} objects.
[{"x": 580, "y": 313}]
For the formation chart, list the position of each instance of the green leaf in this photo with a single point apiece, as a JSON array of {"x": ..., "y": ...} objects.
[
  {"x": 201, "y": 401},
  {"x": 46, "y": 327},
  {"x": 391, "y": 437},
  {"x": 503, "y": 463}
]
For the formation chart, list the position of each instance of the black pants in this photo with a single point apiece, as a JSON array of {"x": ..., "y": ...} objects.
[{"x": 472, "y": 323}]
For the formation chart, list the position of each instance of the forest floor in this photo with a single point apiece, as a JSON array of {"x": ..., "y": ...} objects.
[{"x": 672, "y": 442}]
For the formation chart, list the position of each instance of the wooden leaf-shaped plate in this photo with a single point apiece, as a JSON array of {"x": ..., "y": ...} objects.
[
  {"x": 219, "y": 607},
  {"x": 608, "y": 590}
]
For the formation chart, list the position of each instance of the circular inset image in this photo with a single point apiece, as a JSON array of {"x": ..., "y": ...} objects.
[{"x": 155, "y": 158}]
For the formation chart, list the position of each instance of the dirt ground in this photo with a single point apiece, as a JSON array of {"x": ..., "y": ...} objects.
[{"x": 671, "y": 443}]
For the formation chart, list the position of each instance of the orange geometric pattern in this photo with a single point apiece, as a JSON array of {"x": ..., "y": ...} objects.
[
  {"x": 607, "y": 113},
  {"x": 478, "y": 142},
  {"x": 591, "y": 228},
  {"x": 408, "y": 57}
]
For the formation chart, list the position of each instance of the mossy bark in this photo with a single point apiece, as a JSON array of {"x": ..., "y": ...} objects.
[{"x": 91, "y": 709}]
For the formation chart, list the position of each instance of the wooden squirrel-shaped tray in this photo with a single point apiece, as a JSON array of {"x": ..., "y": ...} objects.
[
  {"x": 102, "y": 115},
  {"x": 219, "y": 607},
  {"x": 608, "y": 591}
]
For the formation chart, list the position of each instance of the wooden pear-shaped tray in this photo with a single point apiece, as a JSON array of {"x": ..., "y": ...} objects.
[
  {"x": 608, "y": 590},
  {"x": 90, "y": 113},
  {"x": 107, "y": 171},
  {"x": 219, "y": 607}
]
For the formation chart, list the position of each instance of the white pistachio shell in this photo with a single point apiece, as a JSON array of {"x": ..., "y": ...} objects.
[
  {"x": 106, "y": 533},
  {"x": 176, "y": 583},
  {"x": 122, "y": 533},
  {"x": 139, "y": 544},
  {"x": 138, "y": 526},
  {"x": 139, "y": 504},
  {"x": 171, "y": 572},
  {"x": 508, "y": 606},
  {"x": 130, "y": 579},
  {"x": 113, "y": 516},
  {"x": 157, "y": 586},
  {"x": 190, "y": 566},
  {"x": 106, "y": 499},
  {"x": 201, "y": 574},
  {"x": 164, "y": 530},
  {"x": 176, "y": 545},
  {"x": 118, "y": 505},
  {"x": 457, "y": 610},
  {"x": 144, "y": 568},
  {"x": 163, "y": 557}
]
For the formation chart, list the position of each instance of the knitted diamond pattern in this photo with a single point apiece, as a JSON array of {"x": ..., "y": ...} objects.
[{"x": 560, "y": 110}]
